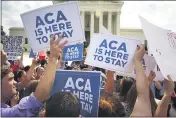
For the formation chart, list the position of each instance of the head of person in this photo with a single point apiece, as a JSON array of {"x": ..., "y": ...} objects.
[
  {"x": 16, "y": 62},
  {"x": 26, "y": 68},
  {"x": 31, "y": 87},
  {"x": 7, "y": 79},
  {"x": 39, "y": 71},
  {"x": 132, "y": 96},
  {"x": 62, "y": 104},
  {"x": 110, "y": 106},
  {"x": 21, "y": 75},
  {"x": 125, "y": 86}
]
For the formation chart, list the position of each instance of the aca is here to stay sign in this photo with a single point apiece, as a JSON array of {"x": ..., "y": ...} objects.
[{"x": 42, "y": 23}]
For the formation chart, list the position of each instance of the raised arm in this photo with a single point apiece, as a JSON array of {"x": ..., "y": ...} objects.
[
  {"x": 29, "y": 75},
  {"x": 142, "y": 106},
  {"x": 109, "y": 86},
  {"x": 43, "y": 89},
  {"x": 151, "y": 77},
  {"x": 162, "y": 107}
]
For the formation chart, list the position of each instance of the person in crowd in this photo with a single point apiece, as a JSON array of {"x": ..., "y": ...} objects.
[
  {"x": 30, "y": 105},
  {"x": 39, "y": 73},
  {"x": 158, "y": 89},
  {"x": 18, "y": 64},
  {"x": 162, "y": 109},
  {"x": 110, "y": 106},
  {"x": 26, "y": 68},
  {"x": 131, "y": 100},
  {"x": 117, "y": 82},
  {"x": 31, "y": 87},
  {"x": 172, "y": 112},
  {"x": 142, "y": 106},
  {"x": 63, "y": 104}
]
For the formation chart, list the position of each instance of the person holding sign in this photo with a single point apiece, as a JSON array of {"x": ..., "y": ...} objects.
[
  {"x": 142, "y": 106},
  {"x": 30, "y": 105}
]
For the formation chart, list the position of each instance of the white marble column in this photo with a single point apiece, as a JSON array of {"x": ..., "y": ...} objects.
[
  {"x": 118, "y": 23},
  {"x": 83, "y": 18},
  {"x": 109, "y": 21},
  {"x": 100, "y": 20},
  {"x": 91, "y": 23}
]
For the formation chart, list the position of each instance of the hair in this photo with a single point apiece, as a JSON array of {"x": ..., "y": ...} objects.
[
  {"x": 62, "y": 104},
  {"x": 100, "y": 69},
  {"x": 5, "y": 69},
  {"x": 31, "y": 87},
  {"x": 20, "y": 73},
  {"x": 26, "y": 68},
  {"x": 132, "y": 96},
  {"x": 110, "y": 106},
  {"x": 125, "y": 87},
  {"x": 43, "y": 62}
]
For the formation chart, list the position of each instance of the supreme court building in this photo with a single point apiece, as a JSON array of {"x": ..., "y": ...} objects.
[{"x": 94, "y": 14}]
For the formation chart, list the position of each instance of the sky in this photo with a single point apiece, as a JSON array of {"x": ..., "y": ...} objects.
[{"x": 160, "y": 13}]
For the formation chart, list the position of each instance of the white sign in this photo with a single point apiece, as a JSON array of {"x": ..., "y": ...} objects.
[
  {"x": 148, "y": 63},
  {"x": 103, "y": 30},
  {"x": 162, "y": 46},
  {"x": 159, "y": 75},
  {"x": 111, "y": 52},
  {"x": 42, "y": 23}
]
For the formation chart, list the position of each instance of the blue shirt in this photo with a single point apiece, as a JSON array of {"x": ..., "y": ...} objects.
[{"x": 28, "y": 106}]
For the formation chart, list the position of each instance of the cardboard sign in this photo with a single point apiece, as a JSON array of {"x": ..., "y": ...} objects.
[
  {"x": 32, "y": 54},
  {"x": 42, "y": 23},
  {"x": 148, "y": 63},
  {"x": 113, "y": 53},
  {"x": 162, "y": 46},
  {"x": 85, "y": 85},
  {"x": 73, "y": 53},
  {"x": 12, "y": 45}
]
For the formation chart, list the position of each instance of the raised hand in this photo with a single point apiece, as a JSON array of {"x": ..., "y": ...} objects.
[
  {"x": 15, "y": 99},
  {"x": 168, "y": 86},
  {"x": 151, "y": 76},
  {"x": 139, "y": 53},
  {"x": 56, "y": 47}
]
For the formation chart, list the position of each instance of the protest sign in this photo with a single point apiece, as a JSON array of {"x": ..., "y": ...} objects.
[
  {"x": 148, "y": 63},
  {"x": 85, "y": 85},
  {"x": 12, "y": 45},
  {"x": 32, "y": 54},
  {"x": 162, "y": 46},
  {"x": 111, "y": 52},
  {"x": 159, "y": 75},
  {"x": 73, "y": 53},
  {"x": 63, "y": 18}
]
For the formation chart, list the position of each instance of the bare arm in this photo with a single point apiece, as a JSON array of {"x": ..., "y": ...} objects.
[
  {"x": 43, "y": 89},
  {"x": 158, "y": 85},
  {"x": 21, "y": 60},
  {"x": 28, "y": 78},
  {"x": 109, "y": 87},
  {"x": 151, "y": 76},
  {"x": 142, "y": 106},
  {"x": 162, "y": 107}
]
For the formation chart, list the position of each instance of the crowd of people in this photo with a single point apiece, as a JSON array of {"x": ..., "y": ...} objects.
[{"x": 26, "y": 90}]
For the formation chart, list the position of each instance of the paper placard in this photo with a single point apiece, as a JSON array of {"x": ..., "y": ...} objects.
[
  {"x": 73, "y": 53},
  {"x": 63, "y": 18},
  {"x": 12, "y": 45},
  {"x": 82, "y": 84},
  {"x": 113, "y": 53},
  {"x": 162, "y": 46}
]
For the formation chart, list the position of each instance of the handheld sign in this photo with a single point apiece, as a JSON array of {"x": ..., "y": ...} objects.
[
  {"x": 56, "y": 19},
  {"x": 73, "y": 53},
  {"x": 12, "y": 45},
  {"x": 148, "y": 63},
  {"x": 32, "y": 54},
  {"x": 85, "y": 85},
  {"x": 162, "y": 46},
  {"x": 111, "y": 52}
]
